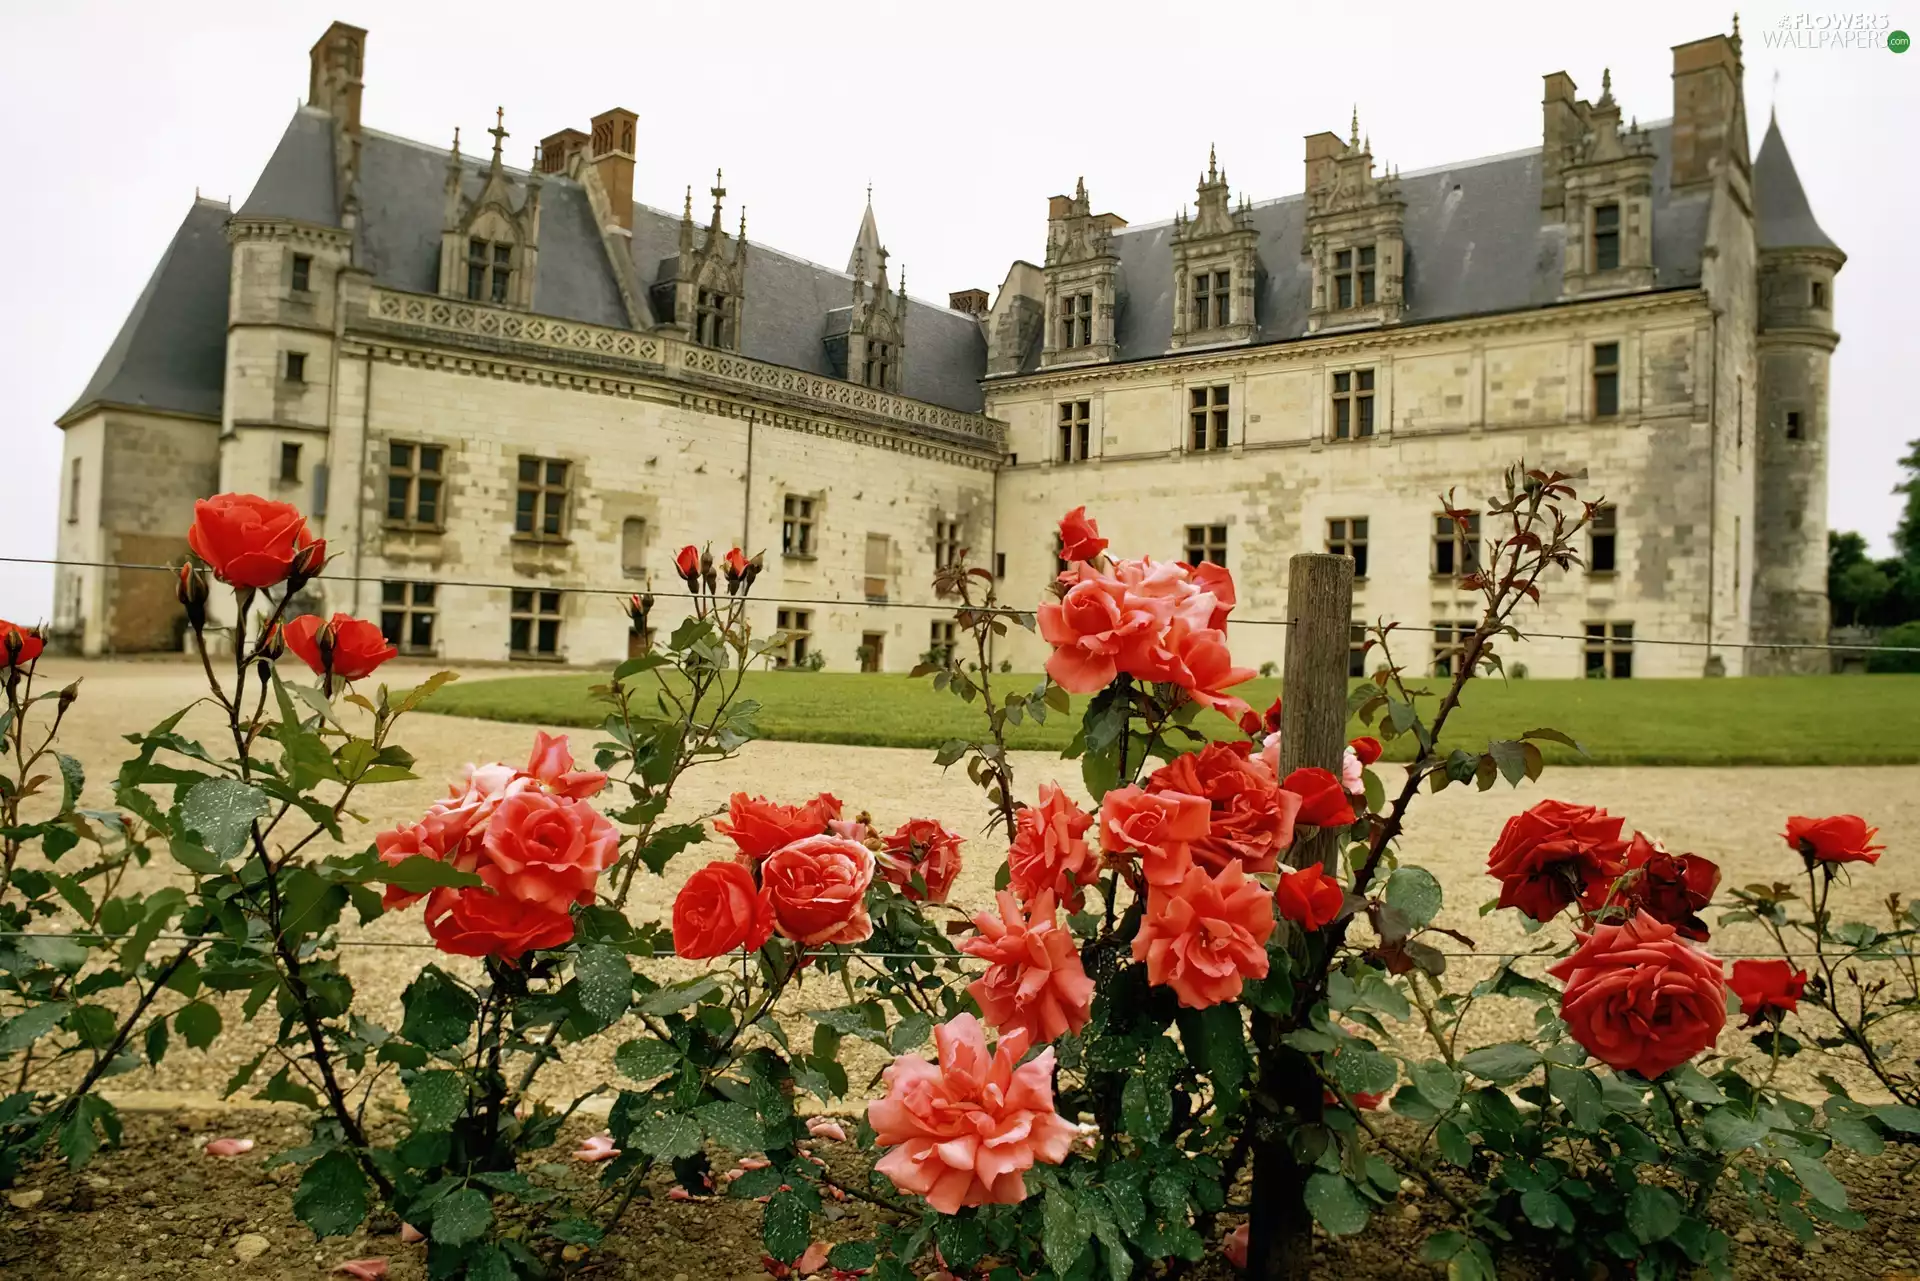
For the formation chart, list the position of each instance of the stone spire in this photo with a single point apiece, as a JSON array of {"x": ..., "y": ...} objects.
[
  {"x": 866, "y": 242},
  {"x": 499, "y": 132}
]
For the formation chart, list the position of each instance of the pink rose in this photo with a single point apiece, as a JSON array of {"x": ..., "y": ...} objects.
[
  {"x": 818, "y": 888},
  {"x": 1092, "y": 628},
  {"x": 552, "y": 764},
  {"x": 1079, "y": 536}
]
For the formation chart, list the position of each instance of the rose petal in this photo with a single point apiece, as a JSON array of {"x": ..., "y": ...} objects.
[
  {"x": 228, "y": 1147},
  {"x": 366, "y": 1269}
]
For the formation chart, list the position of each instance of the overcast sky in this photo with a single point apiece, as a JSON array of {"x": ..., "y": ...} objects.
[{"x": 964, "y": 117}]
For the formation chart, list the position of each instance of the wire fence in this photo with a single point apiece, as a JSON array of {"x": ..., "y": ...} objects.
[{"x": 948, "y": 607}]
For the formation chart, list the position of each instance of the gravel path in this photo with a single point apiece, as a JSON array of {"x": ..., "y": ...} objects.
[{"x": 1731, "y": 815}]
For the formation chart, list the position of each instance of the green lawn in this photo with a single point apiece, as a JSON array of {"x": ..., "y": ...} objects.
[{"x": 1815, "y": 720}]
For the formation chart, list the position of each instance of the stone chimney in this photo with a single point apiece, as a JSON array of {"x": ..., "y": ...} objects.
[
  {"x": 1561, "y": 123},
  {"x": 1709, "y": 121},
  {"x": 971, "y": 301},
  {"x": 557, "y": 149},
  {"x": 612, "y": 155},
  {"x": 1321, "y": 149},
  {"x": 333, "y": 84}
]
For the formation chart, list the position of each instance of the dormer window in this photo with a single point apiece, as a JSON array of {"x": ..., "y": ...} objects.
[
  {"x": 1606, "y": 237},
  {"x": 710, "y": 326},
  {"x": 489, "y": 270},
  {"x": 1353, "y": 278},
  {"x": 1076, "y": 320},
  {"x": 882, "y": 359},
  {"x": 1212, "y": 299}
]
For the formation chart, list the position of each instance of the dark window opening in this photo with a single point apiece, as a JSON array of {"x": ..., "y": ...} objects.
[
  {"x": 1076, "y": 429},
  {"x": 534, "y": 626},
  {"x": 1207, "y": 416},
  {"x": 296, "y": 366},
  {"x": 1606, "y": 237},
  {"x": 407, "y": 612},
  {"x": 540, "y": 501},
  {"x": 302, "y": 273},
  {"x": 1793, "y": 424},
  {"x": 289, "y": 462},
  {"x": 1347, "y": 536},
  {"x": 1206, "y": 543},
  {"x": 1609, "y": 651},
  {"x": 1601, "y": 535},
  {"x": 1606, "y": 379}
]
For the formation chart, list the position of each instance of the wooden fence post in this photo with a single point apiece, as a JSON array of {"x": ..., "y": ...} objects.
[{"x": 1313, "y": 732}]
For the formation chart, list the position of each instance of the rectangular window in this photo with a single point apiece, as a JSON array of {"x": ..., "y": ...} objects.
[
  {"x": 289, "y": 462},
  {"x": 406, "y": 616},
  {"x": 1356, "y": 651},
  {"x": 1212, "y": 299},
  {"x": 73, "y": 493},
  {"x": 1819, "y": 294},
  {"x": 999, "y": 564},
  {"x": 296, "y": 366},
  {"x": 1076, "y": 431},
  {"x": 1456, "y": 552},
  {"x": 941, "y": 637},
  {"x": 1202, "y": 299},
  {"x": 1606, "y": 379},
  {"x": 302, "y": 273},
  {"x": 879, "y": 370},
  {"x": 502, "y": 270},
  {"x": 1343, "y": 280},
  {"x": 710, "y": 327},
  {"x": 946, "y": 544},
  {"x": 1366, "y": 276},
  {"x": 796, "y": 634},
  {"x": 1447, "y": 641},
  {"x": 879, "y": 551},
  {"x": 1207, "y": 413},
  {"x": 1609, "y": 651},
  {"x": 540, "y": 502},
  {"x": 1600, "y": 540},
  {"x": 796, "y": 526},
  {"x": 1206, "y": 543},
  {"x": 633, "y": 547},
  {"x": 1353, "y": 404},
  {"x": 1076, "y": 320},
  {"x": 534, "y": 627},
  {"x": 413, "y": 484},
  {"x": 1606, "y": 237},
  {"x": 1347, "y": 536},
  {"x": 1793, "y": 424},
  {"x": 489, "y": 270}
]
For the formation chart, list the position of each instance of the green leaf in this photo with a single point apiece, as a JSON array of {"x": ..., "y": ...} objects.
[
  {"x": 416, "y": 874},
  {"x": 1218, "y": 1044},
  {"x": 605, "y": 983},
  {"x": 222, "y": 811},
  {"x": 1545, "y": 1210},
  {"x": 198, "y": 1023},
  {"x": 29, "y": 1026},
  {"x": 1358, "y": 1070},
  {"x": 73, "y": 781},
  {"x": 1510, "y": 758},
  {"x": 785, "y": 1227},
  {"x": 1898, "y": 1116},
  {"x": 461, "y": 1216},
  {"x": 672, "y": 1135},
  {"x": 961, "y": 1239},
  {"x": 332, "y": 1197},
  {"x": 1652, "y": 1213},
  {"x": 436, "y": 1099},
  {"x": 282, "y": 1088},
  {"x": 439, "y": 1011},
  {"x": 910, "y": 1033},
  {"x": 1335, "y": 1205},
  {"x": 852, "y": 1256},
  {"x": 733, "y": 1126},
  {"x": 1454, "y": 1144},
  {"x": 420, "y": 693},
  {"x": 576, "y": 1232},
  {"x": 1730, "y": 1129},
  {"x": 1438, "y": 1082},
  {"x": 678, "y": 996},
  {"x": 1580, "y": 1092},
  {"x": 645, "y": 1059},
  {"x": 1064, "y": 1230},
  {"x": 1819, "y": 1183},
  {"x": 1852, "y": 1132},
  {"x": 1415, "y": 894},
  {"x": 1508, "y": 1061}
]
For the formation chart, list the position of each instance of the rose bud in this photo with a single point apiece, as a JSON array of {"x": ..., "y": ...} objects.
[
  {"x": 754, "y": 566},
  {"x": 192, "y": 591},
  {"x": 686, "y": 563},
  {"x": 707, "y": 575},
  {"x": 735, "y": 567},
  {"x": 307, "y": 564},
  {"x": 67, "y": 697}
]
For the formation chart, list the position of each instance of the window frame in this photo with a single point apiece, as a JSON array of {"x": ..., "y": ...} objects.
[
  {"x": 1205, "y": 543},
  {"x": 1366, "y": 291},
  {"x": 543, "y": 614},
  {"x": 943, "y": 635},
  {"x": 73, "y": 492},
  {"x": 798, "y": 517},
  {"x": 1606, "y": 379},
  {"x": 712, "y": 326},
  {"x": 1074, "y": 425},
  {"x": 490, "y": 269},
  {"x": 414, "y": 475},
  {"x": 1210, "y": 418},
  {"x": 1340, "y": 285},
  {"x": 1610, "y": 641},
  {"x": 947, "y": 543},
  {"x": 796, "y": 629},
  {"x": 293, "y": 369},
  {"x": 879, "y": 369},
  {"x": 1603, "y": 540},
  {"x": 1351, "y": 402},
  {"x": 289, "y": 454},
  {"x": 1448, "y": 637},
  {"x": 1076, "y": 320},
  {"x": 1461, "y": 548},
  {"x": 406, "y": 608},
  {"x": 547, "y": 497},
  {"x": 1817, "y": 295},
  {"x": 636, "y": 568},
  {"x": 1605, "y": 236},
  {"x": 300, "y": 274},
  {"x": 1347, "y": 536},
  {"x": 1356, "y": 651},
  {"x": 1795, "y": 425}
]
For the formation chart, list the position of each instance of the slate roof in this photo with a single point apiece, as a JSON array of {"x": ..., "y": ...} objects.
[
  {"x": 1782, "y": 217},
  {"x": 1476, "y": 244},
  {"x": 171, "y": 352}
]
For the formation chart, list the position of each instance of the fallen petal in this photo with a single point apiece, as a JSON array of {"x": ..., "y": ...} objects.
[
  {"x": 228, "y": 1147},
  {"x": 1235, "y": 1247},
  {"x": 678, "y": 1193},
  {"x": 813, "y": 1259},
  {"x": 821, "y": 1128},
  {"x": 411, "y": 1234},
  {"x": 365, "y": 1269},
  {"x": 753, "y": 1163},
  {"x": 597, "y": 1148}
]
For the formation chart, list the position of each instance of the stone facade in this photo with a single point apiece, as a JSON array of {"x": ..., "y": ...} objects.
[{"x": 505, "y": 396}]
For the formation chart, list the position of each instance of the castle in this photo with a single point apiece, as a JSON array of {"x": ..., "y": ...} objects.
[{"x": 491, "y": 389}]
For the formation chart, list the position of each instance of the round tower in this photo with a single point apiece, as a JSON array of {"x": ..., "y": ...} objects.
[{"x": 1795, "y": 343}]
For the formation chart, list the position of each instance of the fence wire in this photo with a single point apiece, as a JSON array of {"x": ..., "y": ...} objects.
[{"x": 949, "y": 607}]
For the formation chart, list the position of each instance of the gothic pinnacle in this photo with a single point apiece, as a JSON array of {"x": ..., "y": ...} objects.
[
  {"x": 1353, "y": 130},
  {"x": 1606, "y": 84},
  {"x": 499, "y": 132},
  {"x": 1211, "y": 174}
]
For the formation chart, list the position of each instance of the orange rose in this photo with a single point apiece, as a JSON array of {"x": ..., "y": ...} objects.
[
  {"x": 720, "y": 909},
  {"x": 1251, "y": 818},
  {"x": 1049, "y": 851},
  {"x": 249, "y": 541},
  {"x": 548, "y": 849},
  {"x": 1206, "y": 936},
  {"x": 1160, "y": 826},
  {"x": 475, "y": 922},
  {"x": 924, "y": 849},
  {"x": 1091, "y": 628},
  {"x": 1036, "y": 983},
  {"x": 818, "y": 888},
  {"x": 759, "y": 826}
]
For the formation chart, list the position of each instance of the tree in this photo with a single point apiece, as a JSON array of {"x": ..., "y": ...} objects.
[{"x": 1906, "y": 534}]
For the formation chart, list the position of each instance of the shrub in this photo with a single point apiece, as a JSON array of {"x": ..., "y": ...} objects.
[{"x": 1905, "y": 636}]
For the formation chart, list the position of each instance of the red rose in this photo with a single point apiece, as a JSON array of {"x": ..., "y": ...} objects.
[
  {"x": 720, "y": 909},
  {"x": 1079, "y": 536},
  {"x": 1844, "y": 838},
  {"x": 1323, "y": 802},
  {"x": 1361, "y": 1100},
  {"x": 924, "y": 848},
  {"x": 1668, "y": 887},
  {"x": 736, "y": 562},
  {"x": 1767, "y": 989},
  {"x": 1251, "y": 819},
  {"x": 1250, "y": 723},
  {"x": 343, "y": 646},
  {"x": 1554, "y": 854},
  {"x": 19, "y": 645},
  {"x": 1640, "y": 998},
  {"x": 818, "y": 889},
  {"x": 686, "y": 562},
  {"x": 1309, "y": 897},
  {"x": 1270, "y": 719},
  {"x": 1367, "y": 749},
  {"x": 249, "y": 541},
  {"x": 760, "y": 826},
  {"x": 476, "y": 922}
]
